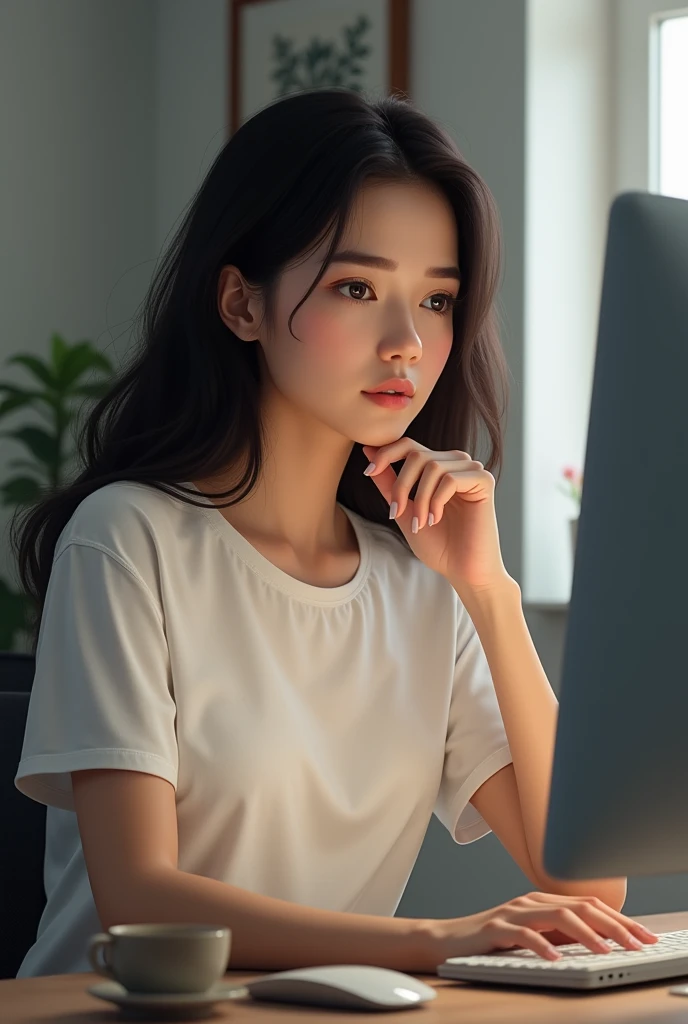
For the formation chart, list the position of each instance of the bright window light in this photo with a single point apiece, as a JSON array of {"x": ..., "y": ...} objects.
[{"x": 673, "y": 107}]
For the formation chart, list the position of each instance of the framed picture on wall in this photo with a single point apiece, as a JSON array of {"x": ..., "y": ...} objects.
[{"x": 278, "y": 47}]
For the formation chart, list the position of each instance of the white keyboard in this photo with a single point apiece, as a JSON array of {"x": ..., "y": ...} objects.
[{"x": 578, "y": 967}]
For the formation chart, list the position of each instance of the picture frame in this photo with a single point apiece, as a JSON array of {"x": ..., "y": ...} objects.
[{"x": 279, "y": 47}]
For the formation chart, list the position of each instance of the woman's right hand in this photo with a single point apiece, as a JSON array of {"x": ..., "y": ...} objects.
[{"x": 536, "y": 921}]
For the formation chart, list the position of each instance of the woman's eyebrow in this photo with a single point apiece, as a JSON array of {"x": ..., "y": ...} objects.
[{"x": 351, "y": 256}]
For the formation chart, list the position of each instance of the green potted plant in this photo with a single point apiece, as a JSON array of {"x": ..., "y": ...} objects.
[{"x": 60, "y": 380}]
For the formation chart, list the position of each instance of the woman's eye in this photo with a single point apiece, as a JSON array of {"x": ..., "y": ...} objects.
[
  {"x": 354, "y": 284},
  {"x": 446, "y": 300}
]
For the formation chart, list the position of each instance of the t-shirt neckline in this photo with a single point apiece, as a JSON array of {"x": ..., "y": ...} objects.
[{"x": 280, "y": 579}]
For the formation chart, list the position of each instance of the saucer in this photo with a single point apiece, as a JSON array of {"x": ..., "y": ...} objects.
[{"x": 171, "y": 1005}]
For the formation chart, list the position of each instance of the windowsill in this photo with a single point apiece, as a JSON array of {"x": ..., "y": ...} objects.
[{"x": 561, "y": 607}]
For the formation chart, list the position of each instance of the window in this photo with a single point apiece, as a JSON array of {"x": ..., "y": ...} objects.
[{"x": 669, "y": 106}]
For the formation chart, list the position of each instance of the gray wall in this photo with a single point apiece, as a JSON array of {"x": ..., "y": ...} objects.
[
  {"x": 77, "y": 179},
  {"x": 112, "y": 111}
]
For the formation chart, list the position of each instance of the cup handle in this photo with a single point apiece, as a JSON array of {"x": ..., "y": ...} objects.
[{"x": 96, "y": 943}]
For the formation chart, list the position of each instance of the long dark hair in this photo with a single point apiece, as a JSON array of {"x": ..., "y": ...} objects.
[{"x": 187, "y": 403}]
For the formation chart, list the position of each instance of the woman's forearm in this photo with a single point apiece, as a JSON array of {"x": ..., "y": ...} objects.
[
  {"x": 529, "y": 710},
  {"x": 273, "y": 934}
]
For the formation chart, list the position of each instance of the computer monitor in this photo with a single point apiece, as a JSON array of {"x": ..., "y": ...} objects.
[{"x": 619, "y": 793}]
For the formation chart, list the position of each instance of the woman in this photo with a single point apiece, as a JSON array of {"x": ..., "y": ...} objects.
[{"x": 256, "y": 678}]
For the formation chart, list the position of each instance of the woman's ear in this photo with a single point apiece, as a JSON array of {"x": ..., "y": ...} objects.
[{"x": 239, "y": 305}]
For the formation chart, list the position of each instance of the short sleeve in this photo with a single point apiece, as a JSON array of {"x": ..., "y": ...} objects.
[
  {"x": 102, "y": 694},
  {"x": 476, "y": 744}
]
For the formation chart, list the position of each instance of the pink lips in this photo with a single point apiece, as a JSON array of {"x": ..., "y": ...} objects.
[
  {"x": 388, "y": 401},
  {"x": 401, "y": 385}
]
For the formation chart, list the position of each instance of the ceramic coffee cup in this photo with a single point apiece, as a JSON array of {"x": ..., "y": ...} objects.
[{"x": 162, "y": 957}]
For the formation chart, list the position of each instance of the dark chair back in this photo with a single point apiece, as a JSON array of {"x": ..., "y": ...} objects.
[
  {"x": 16, "y": 672},
  {"x": 22, "y": 847}
]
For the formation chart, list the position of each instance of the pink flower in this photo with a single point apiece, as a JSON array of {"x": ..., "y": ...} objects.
[{"x": 575, "y": 483}]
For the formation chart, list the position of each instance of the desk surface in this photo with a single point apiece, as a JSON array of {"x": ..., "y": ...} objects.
[{"x": 63, "y": 998}]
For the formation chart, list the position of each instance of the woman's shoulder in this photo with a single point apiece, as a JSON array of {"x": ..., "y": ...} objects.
[{"x": 120, "y": 516}]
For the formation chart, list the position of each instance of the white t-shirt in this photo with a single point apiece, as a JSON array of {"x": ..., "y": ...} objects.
[{"x": 309, "y": 732}]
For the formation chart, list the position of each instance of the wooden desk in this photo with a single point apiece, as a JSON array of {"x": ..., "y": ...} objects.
[{"x": 63, "y": 999}]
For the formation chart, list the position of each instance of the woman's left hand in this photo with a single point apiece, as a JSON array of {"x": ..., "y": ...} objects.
[{"x": 463, "y": 543}]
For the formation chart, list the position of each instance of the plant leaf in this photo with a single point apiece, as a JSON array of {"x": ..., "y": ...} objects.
[
  {"x": 41, "y": 443},
  {"x": 20, "y": 490},
  {"x": 11, "y": 389},
  {"x": 38, "y": 367},
  {"x": 59, "y": 350},
  {"x": 17, "y": 401},
  {"x": 15, "y": 389},
  {"x": 79, "y": 358},
  {"x": 25, "y": 464}
]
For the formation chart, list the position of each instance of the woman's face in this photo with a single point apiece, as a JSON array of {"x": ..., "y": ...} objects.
[{"x": 363, "y": 324}]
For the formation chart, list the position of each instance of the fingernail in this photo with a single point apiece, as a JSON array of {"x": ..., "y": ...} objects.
[
  {"x": 636, "y": 943},
  {"x": 414, "y": 524},
  {"x": 393, "y": 510},
  {"x": 431, "y": 519},
  {"x": 369, "y": 469},
  {"x": 648, "y": 932}
]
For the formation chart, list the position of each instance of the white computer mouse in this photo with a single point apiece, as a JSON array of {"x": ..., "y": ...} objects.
[{"x": 347, "y": 986}]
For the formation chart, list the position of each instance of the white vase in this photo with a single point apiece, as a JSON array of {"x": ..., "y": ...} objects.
[{"x": 573, "y": 523}]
